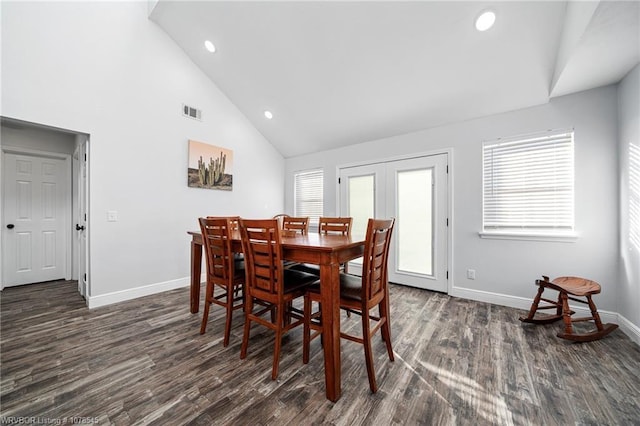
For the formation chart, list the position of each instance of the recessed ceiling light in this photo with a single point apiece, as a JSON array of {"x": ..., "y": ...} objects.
[
  {"x": 485, "y": 20},
  {"x": 210, "y": 46},
  {"x": 268, "y": 114}
]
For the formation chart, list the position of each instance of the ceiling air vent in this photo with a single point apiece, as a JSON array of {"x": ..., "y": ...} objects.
[{"x": 191, "y": 112}]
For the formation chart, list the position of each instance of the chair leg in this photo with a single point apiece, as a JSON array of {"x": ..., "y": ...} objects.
[
  {"x": 566, "y": 313},
  {"x": 594, "y": 313},
  {"x": 280, "y": 318},
  {"x": 229, "y": 318},
  {"x": 207, "y": 305},
  {"x": 287, "y": 316},
  {"x": 368, "y": 351},
  {"x": 560, "y": 305},
  {"x": 536, "y": 302},
  {"x": 306, "y": 337},
  {"x": 247, "y": 327},
  {"x": 245, "y": 298},
  {"x": 386, "y": 327}
]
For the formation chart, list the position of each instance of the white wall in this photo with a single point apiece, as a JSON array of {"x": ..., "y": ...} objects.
[
  {"x": 629, "y": 120},
  {"x": 37, "y": 139},
  {"x": 506, "y": 270},
  {"x": 104, "y": 69}
]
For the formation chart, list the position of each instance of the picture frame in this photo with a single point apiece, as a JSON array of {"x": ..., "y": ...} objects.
[{"x": 210, "y": 166}]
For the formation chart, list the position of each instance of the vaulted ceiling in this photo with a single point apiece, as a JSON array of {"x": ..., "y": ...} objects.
[{"x": 335, "y": 73}]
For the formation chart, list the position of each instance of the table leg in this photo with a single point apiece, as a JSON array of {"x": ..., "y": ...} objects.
[
  {"x": 330, "y": 292},
  {"x": 196, "y": 265}
]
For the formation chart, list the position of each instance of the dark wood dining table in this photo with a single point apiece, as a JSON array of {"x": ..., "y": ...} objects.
[{"x": 327, "y": 251}]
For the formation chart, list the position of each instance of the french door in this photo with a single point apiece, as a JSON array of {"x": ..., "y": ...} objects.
[{"x": 415, "y": 192}]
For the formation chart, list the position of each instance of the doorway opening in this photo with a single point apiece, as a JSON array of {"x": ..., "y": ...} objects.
[{"x": 44, "y": 204}]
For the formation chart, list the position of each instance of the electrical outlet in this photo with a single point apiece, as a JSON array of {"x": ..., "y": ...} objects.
[
  {"x": 112, "y": 216},
  {"x": 471, "y": 274}
]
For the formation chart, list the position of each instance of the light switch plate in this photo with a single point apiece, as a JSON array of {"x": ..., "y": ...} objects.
[{"x": 112, "y": 216}]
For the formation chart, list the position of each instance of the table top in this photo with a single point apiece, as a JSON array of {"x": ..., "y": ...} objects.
[{"x": 322, "y": 242}]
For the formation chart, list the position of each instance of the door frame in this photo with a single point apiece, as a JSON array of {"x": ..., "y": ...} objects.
[
  {"x": 80, "y": 208},
  {"x": 449, "y": 205},
  {"x": 68, "y": 203}
]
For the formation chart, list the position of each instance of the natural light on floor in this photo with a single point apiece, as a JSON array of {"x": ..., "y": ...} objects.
[{"x": 492, "y": 408}]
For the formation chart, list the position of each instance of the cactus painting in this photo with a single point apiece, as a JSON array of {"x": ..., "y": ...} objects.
[{"x": 210, "y": 166}]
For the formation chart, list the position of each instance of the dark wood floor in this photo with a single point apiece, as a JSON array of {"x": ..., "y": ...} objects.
[{"x": 457, "y": 362}]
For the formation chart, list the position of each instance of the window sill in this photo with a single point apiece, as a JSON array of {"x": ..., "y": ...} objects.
[{"x": 569, "y": 237}]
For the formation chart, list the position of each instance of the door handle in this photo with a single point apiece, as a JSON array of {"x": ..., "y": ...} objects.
[
  {"x": 10, "y": 226},
  {"x": 79, "y": 228}
]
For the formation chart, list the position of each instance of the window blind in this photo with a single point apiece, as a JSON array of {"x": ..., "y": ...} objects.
[
  {"x": 528, "y": 184},
  {"x": 308, "y": 194}
]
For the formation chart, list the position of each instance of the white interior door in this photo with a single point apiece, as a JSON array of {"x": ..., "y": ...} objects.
[
  {"x": 415, "y": 192},
  {"x": 81, "y": 215},
  {"x": 36, "y": 218}
]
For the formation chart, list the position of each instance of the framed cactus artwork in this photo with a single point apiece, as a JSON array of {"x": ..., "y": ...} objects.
[{"x": 210, "y": 166}]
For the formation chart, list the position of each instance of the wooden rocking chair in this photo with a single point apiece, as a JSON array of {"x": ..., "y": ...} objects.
[{"x": 569, "y": 288}]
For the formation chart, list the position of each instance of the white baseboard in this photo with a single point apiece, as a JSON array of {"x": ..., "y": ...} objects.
[
  {"x": 517, "y": 302},
  {"x": 489, "y": 297},
  {"x": 133, "y": 293},
  {"x": 630, "y": 329}
]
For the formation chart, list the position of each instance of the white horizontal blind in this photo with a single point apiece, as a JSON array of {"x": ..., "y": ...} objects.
[
  {"x": 528, "y": 184},
  {"x": 308, "y": 194}
]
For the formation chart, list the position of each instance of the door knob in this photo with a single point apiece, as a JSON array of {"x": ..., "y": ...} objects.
[
  {"x": 10, "y": 226},
  {"x": 79, "y": 228}
]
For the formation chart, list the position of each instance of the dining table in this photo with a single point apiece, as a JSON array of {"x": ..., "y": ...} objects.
[{"x": 327, "y": 251}]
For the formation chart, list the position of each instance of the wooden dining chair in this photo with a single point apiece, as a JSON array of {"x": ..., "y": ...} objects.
[
  {"x": 270, "y": 287},
  {"x": 299, "y": 225},
  {"x": 328, "y": 226},
  {"x": 335, "y": 225},
  {"x": 360, "y": 295},
  {"x": 224, "y": 271},
  {"x": 281, "y": 216},
  {"x": 234, "y": 226},
  {"x": 294, "y": 226}
]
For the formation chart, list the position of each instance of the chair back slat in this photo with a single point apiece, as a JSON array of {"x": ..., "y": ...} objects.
[
  {"x": 216, "y": 237},
  {"x": 376, "y": 256},
  {"x": 296, "y": 224},
  {"x": 263, "y": 256},
  {"x": 335, "y": 225}
]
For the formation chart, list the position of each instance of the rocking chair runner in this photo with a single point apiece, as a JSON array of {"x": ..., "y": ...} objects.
[{"x": 568, "y": 287}]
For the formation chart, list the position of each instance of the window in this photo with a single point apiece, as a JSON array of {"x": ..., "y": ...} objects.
[
  {"x": 528, "y": 186},
  {"x": 308, "y": 195}
]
